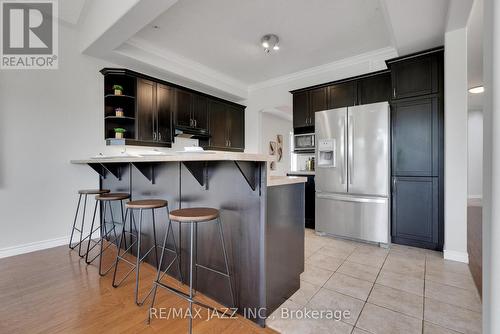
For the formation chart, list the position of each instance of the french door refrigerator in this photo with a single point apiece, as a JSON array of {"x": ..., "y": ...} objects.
[{"x": 353, "y": 173}]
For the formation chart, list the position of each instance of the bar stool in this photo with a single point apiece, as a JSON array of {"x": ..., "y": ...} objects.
[
  {"x": 105, "y": 198},
  {"x": 141, "y": 205},
  {"x": 85, "y": 193},
  {"x": 193, "y": 216}
]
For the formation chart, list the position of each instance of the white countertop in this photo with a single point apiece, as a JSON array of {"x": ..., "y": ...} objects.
[
  {"x": 282, "y": 180},
  {"x": 170, "y": 157},
  {"x": 303, "y": 172}
]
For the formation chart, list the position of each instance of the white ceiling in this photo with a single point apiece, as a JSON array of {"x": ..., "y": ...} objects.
[
  {"x": 475, "y": 54},
  {"x": 224, "y": 34}
]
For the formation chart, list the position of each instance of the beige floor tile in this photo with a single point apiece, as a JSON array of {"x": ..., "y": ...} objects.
[
  {"x": 336, "y": 251},
  {"x": 397, "y": 300},
  {"x": 401, "y": 282},
  {"x": 439, "y": 264},
  {"x": 349, "y": 285},
  {"x": 322, "y": 260},
  {"x": 452, "y": 317},
  {"x": 305, "y": 293},
  {"x": 405, "y": 266},
  {"x": 315, "y": 275},
  {"x": 367, "y": 259},
  {"x": 379, "y": 320},
  {"x": 372, "y": 250},
  {"x": 317, "y": 326},
  {"x": 330, "y": 300},
  {"x": 451, "y": 278},
  {"x": 359, "y": 331},
  {"x": 452, "y": 295},
  {"x": 435, "y": 329},
  {"x": 358, "y": 270},
  {"x": 276, "y": 321},
  {"x": 407, "y": 251}
]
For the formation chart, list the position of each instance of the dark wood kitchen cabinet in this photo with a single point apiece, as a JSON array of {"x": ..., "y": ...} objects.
[
  {"x": 417, "y": 124},
  {"x": 301, "y": 111},
  {"x": 154, "y": 108},
  {"x": 146, "y": 94},
  {"x": 153, "y": 112},
  {"x": 226, "y": 127},
  {"x": 415, "y": 137},
  {"x": 191, "y": 110},
  {"x": 306, "y": 103},
  {"x": 419, "y": 74},
  {"x": 183, "y": 104},
  {"x": 342, "y": 95},
  {"x": 310, "y": 199},
  {"x": 373, "y": 89},
  {"x": 415, "y": 211}
]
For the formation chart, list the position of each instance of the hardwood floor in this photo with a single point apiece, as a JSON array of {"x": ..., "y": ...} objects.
[{"x": 54, "y": 291}]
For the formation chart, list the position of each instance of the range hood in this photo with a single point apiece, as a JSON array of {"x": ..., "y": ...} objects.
[{"x": 188, "y": 132}]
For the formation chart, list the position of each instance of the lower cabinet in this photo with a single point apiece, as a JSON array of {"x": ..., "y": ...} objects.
[
  {"x": 310, "y": 196},
  {"x": 415, "y": 211}
]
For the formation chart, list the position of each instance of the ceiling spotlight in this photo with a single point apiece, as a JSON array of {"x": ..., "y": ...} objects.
[
  {"x": 270, "y": 41},
  {"x": 476, "y": 90}
]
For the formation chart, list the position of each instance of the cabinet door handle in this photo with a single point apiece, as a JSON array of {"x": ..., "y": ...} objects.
[
  {"x": 159, "y": 136},
  {"x": 191, "y": 122},
  {"x": 394, "y": 92},
  {"x": 195, "y": 123},
  {"x": 154, "y": 135},
  {"x": 394, "y": 185}
]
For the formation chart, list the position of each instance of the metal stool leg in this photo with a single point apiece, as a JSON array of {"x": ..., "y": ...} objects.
[
  {"x": 122, "y": 238},
  {"x": 138, "y": 260},
  {"x": 154, "y": 239},
  {"x": 191, "y": 264},
  {"x": 90, "y": 235},
  {"x": 221, "y": 232},
  {"x": 74, "y": 224}
]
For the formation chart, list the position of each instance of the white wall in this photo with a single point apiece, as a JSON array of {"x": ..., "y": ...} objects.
[
  {"x": 275, "y": 93},
  {"x": 491, "y": 166},
  {"x": 47, "y": 118},
  {"x": 455, "y": 115},
  {"x": 475, "y": 155},
  {"x": 271, "y": 127}
]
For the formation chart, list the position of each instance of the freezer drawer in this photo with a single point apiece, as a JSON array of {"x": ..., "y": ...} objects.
[{"x": 356, "y": 217}]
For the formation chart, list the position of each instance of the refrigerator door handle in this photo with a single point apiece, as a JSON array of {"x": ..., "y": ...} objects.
[
  {"x": 345, "y": 198},
  {"x": 342, "y": 150},
  {"x": 350, "y": 144}
]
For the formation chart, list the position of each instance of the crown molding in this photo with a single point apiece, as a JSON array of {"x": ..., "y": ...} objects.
[
  {"x": 180, "y": 66},
  {"x": 373, "y": 57}
]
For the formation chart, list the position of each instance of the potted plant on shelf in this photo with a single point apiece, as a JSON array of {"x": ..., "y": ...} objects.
[
  {"x": 119, "y": 133},
  {"x": 118, "y": 89},
  {"x": 119, "y": 112}
]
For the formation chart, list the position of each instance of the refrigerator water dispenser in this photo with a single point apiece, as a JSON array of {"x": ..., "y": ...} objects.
[{"x": 326, "y": 153}]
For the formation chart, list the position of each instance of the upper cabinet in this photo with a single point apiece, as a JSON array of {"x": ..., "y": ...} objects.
[
  {"x": 226, "y": 127},
  {"x": 374, "y": 89},
  {"x": 369, "y": 88},
  {"x": 141, "y": 110},
  {"x": 416, "y": 75},
  {"x": 191, "y": 111},
  {"x": 342, "y": 95},
  {"x": 301, "y": 112},
  {"x": 154, "y": 112}
]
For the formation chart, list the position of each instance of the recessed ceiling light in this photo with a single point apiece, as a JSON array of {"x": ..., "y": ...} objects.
[
  {"x": 476, "y": 90},
  {"x": 156, "y": 26},
  {"x": 270, "y": 41}
]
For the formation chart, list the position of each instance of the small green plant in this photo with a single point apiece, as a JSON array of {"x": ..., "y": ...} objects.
[
  {"x": 118, "y": 87},
  {"x": 120, "y": 130}
]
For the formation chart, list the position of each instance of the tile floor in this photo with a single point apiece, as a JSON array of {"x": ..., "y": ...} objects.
[{"x": 401, "y": 290}]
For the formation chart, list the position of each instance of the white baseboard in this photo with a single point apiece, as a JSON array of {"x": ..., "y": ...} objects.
[
  {"x": 33, "y": 246},
  {"x": 456, "y": 256}
]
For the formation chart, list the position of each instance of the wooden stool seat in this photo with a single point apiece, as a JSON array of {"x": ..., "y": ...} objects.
[
  {"x": 112, "y": 196},
  {"x": 194, "y": 214},
  {"x": 93, "y": 191},
  {"x": 147, "y": 204}
]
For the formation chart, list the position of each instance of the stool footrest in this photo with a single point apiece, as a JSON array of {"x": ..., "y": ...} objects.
[{"x": 212, "y": 270}]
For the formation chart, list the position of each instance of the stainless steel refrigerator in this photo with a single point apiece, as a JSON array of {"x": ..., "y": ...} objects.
[{"x": 353, "y": 173}]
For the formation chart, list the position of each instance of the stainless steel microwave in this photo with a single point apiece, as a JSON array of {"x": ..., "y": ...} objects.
[{"x": 304, "y": 143}]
